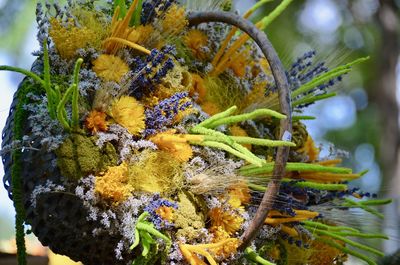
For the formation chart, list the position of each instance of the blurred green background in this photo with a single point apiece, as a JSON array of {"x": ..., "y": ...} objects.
[{"x": 363, "y": 121}]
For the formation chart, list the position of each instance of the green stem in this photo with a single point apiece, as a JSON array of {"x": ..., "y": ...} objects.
[
  {"x": 361, "y": 235},
  {"x": 75, "y": 96},
  {"x": 312, "y": 98},
  {"x": 258, "y": 5},
  {"x": 146, "y": 242},
  {"x": 338, "y": 71},
  {"x": 346, "y": 240},
  {"x": 253, "y": 256},
  {"x": 34, "y": 76},
  {"x": 376, "y": 202},
  {"x": 217, "y": 116},
  {"x": 151, "y": 230},
  {"x": 346, "y": 250},
  {"x": 319, "y": 81},
  {"x": 122, "y": 6},
  {"x": 261, "y": 142},
  {"x": 135, "y": 21},
  {"x": 320, "y": 186},
  {"x": 246, "y": 116},
  {"x": 351, "y": 203},
  {"x": 61, "y": 108},
  {"x": 329, "y": 227},
  {"x": 216, "y": 136},
  {"x": 256, "y": 187},
  {"x": 292, "y": 166},
  {"x": 143, "y": 216},
  {"x": 229, "y": 149},
  {"x": 274, "y": 14},
  {"x": 299, "y": 118},
  {"x": 137, "y": 240}
]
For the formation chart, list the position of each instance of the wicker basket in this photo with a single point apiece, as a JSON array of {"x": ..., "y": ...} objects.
[{"x": 60, "y": 218}]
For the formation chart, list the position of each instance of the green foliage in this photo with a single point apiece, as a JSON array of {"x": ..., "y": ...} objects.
[
  {"x": 122, "y": 8},
  {"x": 56, "y": 101},
  {"x": 20, "y": 116},
  {"x": 233, "y": 144},
  {"x": 144, "y": 233},
  {"x": 341, "y": 233},
  {"x": 253, "y": 256},
  {"x": 325, "y": 77}
]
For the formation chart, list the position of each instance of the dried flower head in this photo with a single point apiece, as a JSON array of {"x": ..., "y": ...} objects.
[
  {"x": 176, "y": 145},
  {"x": 96, "y": 121},
  {"x": 110, "y": 67},
  {"x": 228, "y": 220},
  {"x": 196, "y": 40},
  {"x": 175, "y": 20},
  {"x": 129, "y": 113},
  {"x": 113, "y": 185},
  {"x": 68, "y": 38}
]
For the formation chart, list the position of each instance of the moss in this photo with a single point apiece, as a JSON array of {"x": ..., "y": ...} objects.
[
  {"x": 188, "y": 219},
  {"x": 79, "y": 156},
  {"x": 20, "y": 116}
]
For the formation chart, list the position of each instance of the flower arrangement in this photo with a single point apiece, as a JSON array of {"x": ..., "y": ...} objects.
[{"x": 154, "y": 132}]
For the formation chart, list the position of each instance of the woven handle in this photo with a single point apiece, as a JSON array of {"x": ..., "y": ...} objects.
[{"x": 284, "y": 100}]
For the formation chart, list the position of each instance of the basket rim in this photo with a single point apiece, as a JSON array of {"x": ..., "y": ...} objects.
[{"x": 278, "y": 71}]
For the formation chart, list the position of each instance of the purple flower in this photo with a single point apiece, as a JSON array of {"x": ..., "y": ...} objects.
[{"x": 163, "y": 114}]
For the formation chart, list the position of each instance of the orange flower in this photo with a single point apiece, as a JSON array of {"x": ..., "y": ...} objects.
[
  {"x": 195, "y": 40},
  {"x": 310, "y": 149},
  {"x": 198, "y": 87},
  {"x": 96, "y": 121},
  {"x": 113, "y": 185},
  {"x": 166, "y": 213},
  {"x": 239, "y": 62},
  {"x": 229, "y": 221},
  {"x": 176, "y": 145}
]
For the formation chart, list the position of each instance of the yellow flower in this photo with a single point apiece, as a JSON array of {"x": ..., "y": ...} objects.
[
  {"x": 229, "y": 221},
  {"x": 239, "y": 194},
  {"x": 220, "y": 235},
  {"x": 69, "y": 38},
  {"x": 176, "y": 145},
  {"x": 129, "y": 113},
  {"x": 175, "y": 20},
  {"x": 96, "y": 121},
  {"x": 223, "y": 247},
  {"x": 110, "y": 67},
  {"x": 195, "y": 40},
  {"x": 140, "y": 34},
  {"x": 113, "y": 185}
]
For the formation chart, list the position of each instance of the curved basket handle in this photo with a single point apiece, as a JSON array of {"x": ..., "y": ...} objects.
[{"x": 284, "y": 99}]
